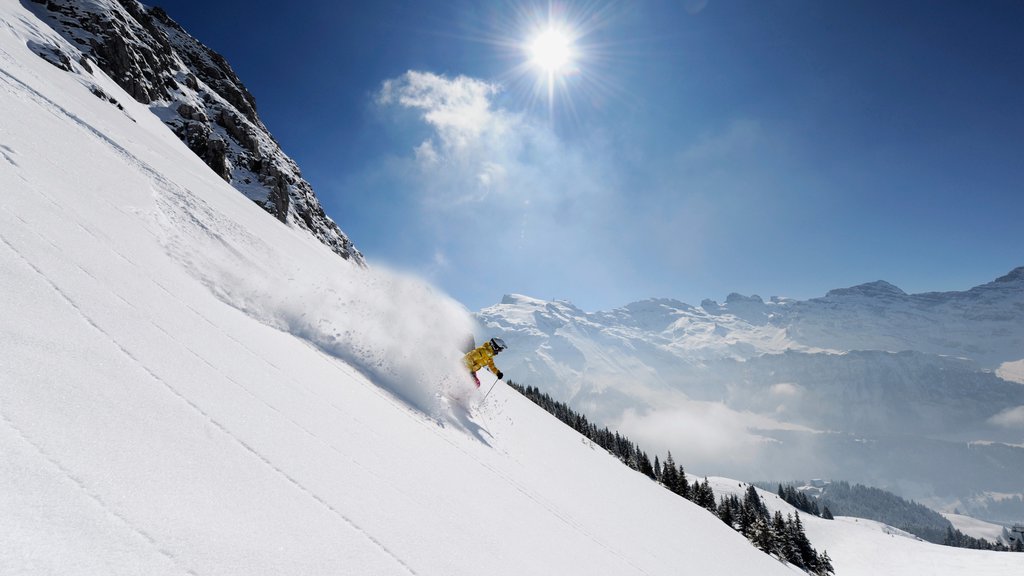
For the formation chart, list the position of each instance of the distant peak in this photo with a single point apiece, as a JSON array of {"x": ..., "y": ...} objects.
[
  {"x": 1015, "y": 275},
  {"x": 736, "y": 298},
  {"x": 518, "y": 299},
  {"x": 656, "y": 303},
  {"x": 870, "y": 289},
  {"x": 710, "y": 305}
]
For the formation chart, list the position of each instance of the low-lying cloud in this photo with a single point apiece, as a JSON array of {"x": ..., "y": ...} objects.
[
  {"x": 705, "y": 436},
  {"x": 1009, "y": 418}
]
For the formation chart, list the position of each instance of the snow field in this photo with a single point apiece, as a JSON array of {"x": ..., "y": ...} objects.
[{"x": 188, "y": 386}]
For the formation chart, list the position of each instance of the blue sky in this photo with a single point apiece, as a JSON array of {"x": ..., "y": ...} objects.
[{"x": 691, "y": 149}]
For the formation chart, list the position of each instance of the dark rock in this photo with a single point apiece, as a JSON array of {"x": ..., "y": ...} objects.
[{"x": 201, "y": 99}]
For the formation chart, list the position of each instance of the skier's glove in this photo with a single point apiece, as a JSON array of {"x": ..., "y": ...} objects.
[{"x": 500, "y": 375}]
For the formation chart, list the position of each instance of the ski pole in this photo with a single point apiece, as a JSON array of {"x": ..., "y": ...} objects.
[{"x": 489, "y": 389}]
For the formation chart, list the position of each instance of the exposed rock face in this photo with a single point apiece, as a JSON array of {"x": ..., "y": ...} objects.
[{"x": 197, "y": 94}]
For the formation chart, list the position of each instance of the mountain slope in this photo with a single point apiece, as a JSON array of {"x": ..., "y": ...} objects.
[
  {"x": 867, "y": 383},
  {"x": 188, "y": 387},
  {"x": 195, "y": 92},
  {"x": 859, "y": 546},
  {"x": 984, "y": 324}
]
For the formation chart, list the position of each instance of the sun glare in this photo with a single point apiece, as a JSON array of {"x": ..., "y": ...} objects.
[
  {"x": 551, "y": 50},
  {"x": 560, "y": 54}
]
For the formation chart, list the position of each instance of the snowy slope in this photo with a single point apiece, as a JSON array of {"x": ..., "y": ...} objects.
[
  {"x": 865, "y": 547},
  {"x": 188, "y": 387},
  {"x": 195, "y": 92},
  {"x": 976, "y": 528}
]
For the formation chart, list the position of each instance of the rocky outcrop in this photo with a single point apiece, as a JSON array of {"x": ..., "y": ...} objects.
[{"x": 197, "y": 94}]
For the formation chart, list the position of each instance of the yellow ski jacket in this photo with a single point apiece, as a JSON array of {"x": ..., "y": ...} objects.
[{"x": 480, "y": 357}]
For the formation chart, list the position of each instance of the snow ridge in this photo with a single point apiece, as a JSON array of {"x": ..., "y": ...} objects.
[{"x": 196, "y": 93}]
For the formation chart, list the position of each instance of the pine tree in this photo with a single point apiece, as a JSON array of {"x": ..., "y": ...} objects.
[
  {"x": 707, "y": 497},
  {"x": 808, "y": 556},
  {"x": 725, "y": 513},
  {"x": 669, "y": 475},
  {"x": 750, "y": 513},
  {"x": 827, "y": 514},
  {"x": 825, "y": 565},
  {"x": 762, "y": 536},
  {"x": 644, "y": 464},
  {"x": 752, "y": 499},
  {"x": 786, "y": 547},
  {"x": 682, "y": 485}
]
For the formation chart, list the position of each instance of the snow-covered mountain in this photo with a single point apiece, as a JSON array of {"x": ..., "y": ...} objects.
[
  {"x": 188, "y": 387},
  {"x": 195, "y": 92},
  {"x": 984, "y": 324},
  {"x": 804, "y": 382}
]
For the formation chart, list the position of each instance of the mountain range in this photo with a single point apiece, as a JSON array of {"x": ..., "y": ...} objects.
[{"x": 808, "y": 383}]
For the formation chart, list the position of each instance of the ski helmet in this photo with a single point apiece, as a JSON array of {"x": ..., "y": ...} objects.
[{"x": 498, "y": 344}]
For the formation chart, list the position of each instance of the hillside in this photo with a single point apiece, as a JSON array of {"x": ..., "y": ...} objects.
[
  {"x": 195, "y": 92},
  {"x": 865, "y": 547},
  {"x": 186, "y": 386}
]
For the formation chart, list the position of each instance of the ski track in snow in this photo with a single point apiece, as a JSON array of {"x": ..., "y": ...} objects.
[
  {"x": 96, "y": 498},
  {"x": 8, "y": 153},
  {"x": 59, "y": 211},
  {"x": 67, "y": 473},
  {"x": 252, "y": 451},
  {"x": 259, "y": 399},
  {"x": 193, "y": 207},
  {"x": 550, "y": 507},
  {"x": 25, "y": 90}
]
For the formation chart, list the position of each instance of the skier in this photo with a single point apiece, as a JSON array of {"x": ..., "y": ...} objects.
[{"x": 482, "y": 356}]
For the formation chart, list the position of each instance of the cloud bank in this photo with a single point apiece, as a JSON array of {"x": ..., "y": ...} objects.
[{"x": 1009, "y": 418}]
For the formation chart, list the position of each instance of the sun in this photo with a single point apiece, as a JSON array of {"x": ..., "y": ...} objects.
[
  {"x": 561, "y": 56},
  {"x": 551, "y": 50}
]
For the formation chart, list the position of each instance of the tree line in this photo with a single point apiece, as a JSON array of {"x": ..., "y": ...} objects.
[
  {"x": 884, "y": 506},
  {"x": 782, "y": 537}
]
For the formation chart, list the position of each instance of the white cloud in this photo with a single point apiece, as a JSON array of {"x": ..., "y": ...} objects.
[
  {"x": 710, "y": 437},
  {"x": 499, "y": 190},
  {"x": 426, "y": 154},
  {"x": 476, "y": 150},
  {"x": 1009, "y": 418},
  {"x": 784, "y": 389},
  {"x": 491, "y": 174},
  {"x": 458, "y": 109}
]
